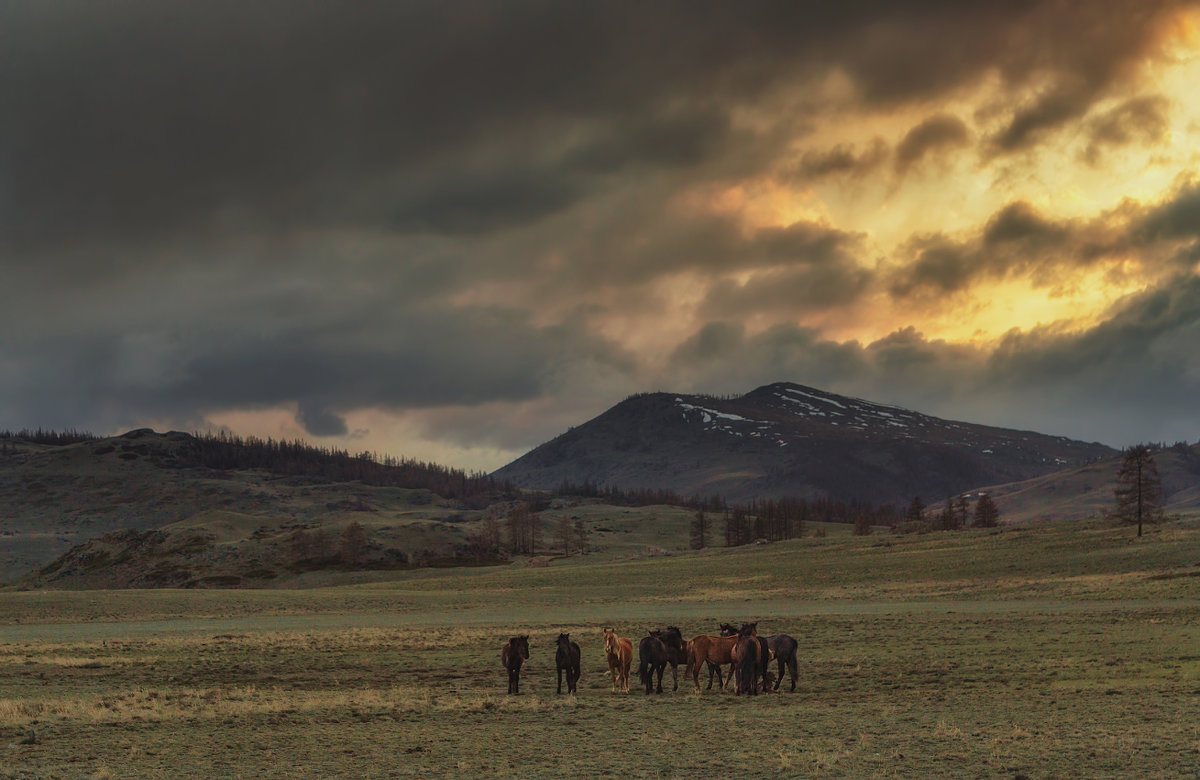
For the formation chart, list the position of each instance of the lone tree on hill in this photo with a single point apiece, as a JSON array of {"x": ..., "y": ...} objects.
[
  {"x": 1138, "y": 491},
  {"x": 986, "y": 513}
]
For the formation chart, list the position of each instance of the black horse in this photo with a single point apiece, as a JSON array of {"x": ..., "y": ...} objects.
[
  {"x": 652, "y": 657},
  {"x": 567, "y": 659},
  {"x": 512, "y": 656},
  {"x": 784, "y": 648}
]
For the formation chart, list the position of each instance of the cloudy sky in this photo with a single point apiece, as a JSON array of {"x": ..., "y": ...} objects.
[{"x": 449, "y": 230}]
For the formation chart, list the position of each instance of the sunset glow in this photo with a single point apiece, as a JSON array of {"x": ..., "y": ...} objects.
[{"x": 452, "y": 233}]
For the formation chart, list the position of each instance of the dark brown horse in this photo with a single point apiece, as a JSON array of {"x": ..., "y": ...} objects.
[
  {"x": 512, "y": 656},
  {"x": 567, "y": 660},
  {"x": 783, "y": 647},
  {"x": 765, "y": 651},
  {"x": 677, "y": 653},
  {"x": 652, "y": 657},
  {"x": 748, "y": 659}
]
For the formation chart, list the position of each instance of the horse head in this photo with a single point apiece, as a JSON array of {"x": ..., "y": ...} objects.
[
  {"x": 522, "y": 643},
  {"x": 728, "y": 630},
  {"x": 610, "y": 641},
  {"x": 672, "y": 637},
  {"x": 748, "y": 629}
]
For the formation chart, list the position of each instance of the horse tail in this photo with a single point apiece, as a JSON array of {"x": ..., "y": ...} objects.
[{"x": 644, "y": 671}]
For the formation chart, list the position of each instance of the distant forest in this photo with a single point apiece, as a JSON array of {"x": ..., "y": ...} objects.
[{"x": 225, "y": 451}]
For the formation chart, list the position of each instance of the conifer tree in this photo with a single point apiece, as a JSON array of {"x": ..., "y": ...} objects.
[
  {"x": 987, "y": 515},
  {"x": 1138, "y": 491}
]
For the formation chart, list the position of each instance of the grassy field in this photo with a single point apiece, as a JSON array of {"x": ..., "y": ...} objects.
[{"x": 1044, "y": 652}]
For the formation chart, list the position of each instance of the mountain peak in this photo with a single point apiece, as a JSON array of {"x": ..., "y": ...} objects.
[{"x": 790, "y": 439}]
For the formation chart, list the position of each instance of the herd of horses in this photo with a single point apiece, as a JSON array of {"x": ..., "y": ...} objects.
[{"x": 747, "y": 654}]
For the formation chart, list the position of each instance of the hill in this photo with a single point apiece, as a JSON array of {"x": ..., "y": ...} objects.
[
  {"x": 1087, "y": 491},
  {"x": 219, "y": 506},
  {"x": 789, "y": 440}
]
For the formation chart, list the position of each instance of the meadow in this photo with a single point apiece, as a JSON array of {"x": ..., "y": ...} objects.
[{"x": 1051, "y": 651}]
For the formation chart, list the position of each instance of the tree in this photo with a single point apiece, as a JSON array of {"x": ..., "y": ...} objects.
[
  {"x": 564, "y": 535},
  {"x": 699, "y": 536},
  {"x": 960, "y": 511},
  {"x": 986, "y": 513},
  {"x": 582, "y": 537},
  {"x": 948, "y": 519},
  {"x": 1138, "y": 491},
  {"x": 916, "y": 510},
  {"x": 353, "y": 547}
]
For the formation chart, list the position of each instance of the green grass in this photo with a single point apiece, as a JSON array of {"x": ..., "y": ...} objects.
[{"x": 1049, "y": 652}]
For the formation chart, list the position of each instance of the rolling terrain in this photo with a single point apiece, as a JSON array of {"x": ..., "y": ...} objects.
[
  {"x": 1064, "y": 650},
  {"x": 789, "y": 440},
  {"x": 151, "y": 501}
]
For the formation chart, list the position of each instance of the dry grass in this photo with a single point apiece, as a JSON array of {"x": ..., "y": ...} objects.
[{"x": 918, "y": 676}]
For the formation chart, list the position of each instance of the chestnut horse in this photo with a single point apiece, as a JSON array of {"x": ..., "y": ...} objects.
[
  {"x": 619, "y": 652},
  {"x": 711, "y": 650},
  {"x": 512, "y": 656}
]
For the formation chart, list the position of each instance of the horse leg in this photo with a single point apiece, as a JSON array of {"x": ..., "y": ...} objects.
[
  {"x": 792, "y": 671},
  {"x": 675, "y": 676},
  {"x": 661, "y": 668},
  {"x": 560, "y": 680}
]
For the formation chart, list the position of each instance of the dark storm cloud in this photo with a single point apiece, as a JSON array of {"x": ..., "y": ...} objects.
[
  {"x": 1141, "y": 119},
  {"x": 248, "y": 205},
  {"x": 134, "y": 119},
  {"x": 935, "y": 133},
  {"x": 841, "y": 160},
  {"x": 327, "y": 363},
  {"x": 1017, "y": 240}
]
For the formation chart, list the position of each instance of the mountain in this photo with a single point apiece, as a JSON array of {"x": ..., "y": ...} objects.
[{"x": 790, "y": 440}]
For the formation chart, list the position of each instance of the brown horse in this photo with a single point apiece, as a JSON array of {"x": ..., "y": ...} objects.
[
  {"x": 512, "y": 656},
  {"x": 619, "y": 652},
  {"x": 747, "y": 657},
  {"x": 766, "y": 651},
  {"x": 711, "y": 650}
]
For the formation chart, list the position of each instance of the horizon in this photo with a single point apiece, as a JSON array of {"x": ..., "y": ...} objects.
[{"x": 450, "y": 232}]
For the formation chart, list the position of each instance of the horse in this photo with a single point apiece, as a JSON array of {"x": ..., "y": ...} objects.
[
  {"x": 765, "y": 652},
  {"x": 747, "y": 658},
  {"x": 619, "y": 652},
  {"x": 784, "y": 649},
  {"x": 652, "y": 657},
  {"x": 567, "y": 659},
  {"x": 711, "y": 650},
  {"x": 677, "y": 652},
  {"x": 512, "y": 656}
]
